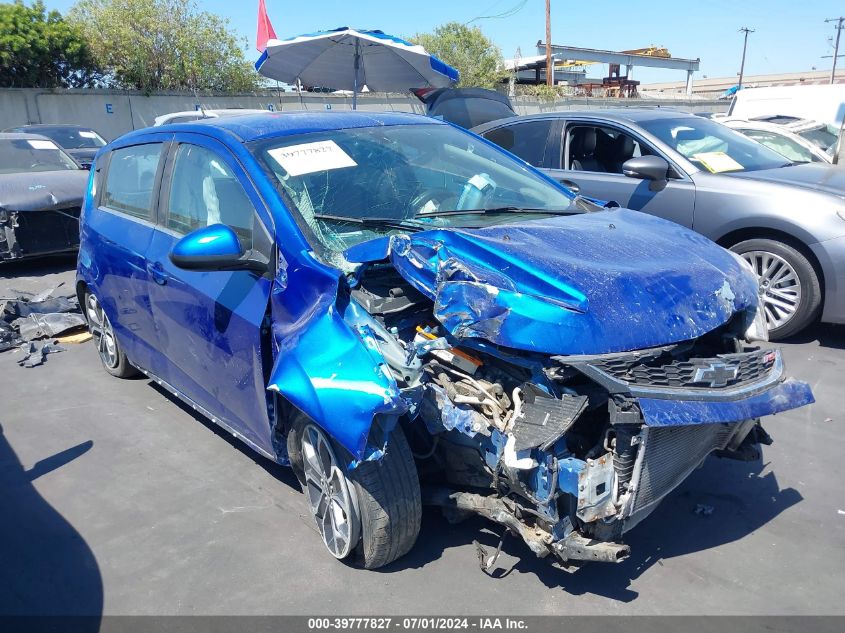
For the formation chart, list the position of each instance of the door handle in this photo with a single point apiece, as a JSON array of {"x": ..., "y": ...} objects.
[
  {"x": 570, "y": 184},
  {"x": 158, "y": 273}
]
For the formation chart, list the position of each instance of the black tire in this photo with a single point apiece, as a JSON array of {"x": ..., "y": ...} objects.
[
  {"x": 111, "y": 354},
  {"x": 387, "y": 491},
  {"x": 389, "y": 504},
  {"x": 810, "y": 302}
]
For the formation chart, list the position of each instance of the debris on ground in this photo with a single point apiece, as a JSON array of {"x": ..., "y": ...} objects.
[
  {"x": 703, "y": 509},
  {"x": 9, "y": 338},
  {"x": 37, "y": 326},
  {"x": 27, "y": 316},
  {"x": 34, "y": 355}
]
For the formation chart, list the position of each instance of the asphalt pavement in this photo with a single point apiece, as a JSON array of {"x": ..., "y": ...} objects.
[{"x": 117, "y": 499}]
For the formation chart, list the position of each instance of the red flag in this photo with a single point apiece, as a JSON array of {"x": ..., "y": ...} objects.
[{"x": 265, "y": 29}]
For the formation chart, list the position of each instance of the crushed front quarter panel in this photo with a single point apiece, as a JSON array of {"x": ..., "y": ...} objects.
[{"x": 327, "y": 361}]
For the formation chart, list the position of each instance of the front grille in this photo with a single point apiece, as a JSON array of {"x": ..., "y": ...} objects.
[
  {"x": 47, "y": 231},
  {"x": 657, "y": 372},
  {"x": 667, "y": 456}
]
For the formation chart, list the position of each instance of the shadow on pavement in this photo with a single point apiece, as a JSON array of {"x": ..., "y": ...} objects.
[
  {"x": 38, "y": 266},
  {"x": 742, "y": 499},
  {"x": 282, "y": 473},
  {"x": 827, "y": 335},
  {"x": 46, "y": 567}
]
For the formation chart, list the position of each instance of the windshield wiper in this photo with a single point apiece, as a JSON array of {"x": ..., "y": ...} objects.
[
  {"x": 492, "y": 210},
  {"x": 380, "y": 223}
]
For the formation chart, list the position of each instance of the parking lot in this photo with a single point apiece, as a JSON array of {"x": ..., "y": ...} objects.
[{"x": 126, "y": 502}]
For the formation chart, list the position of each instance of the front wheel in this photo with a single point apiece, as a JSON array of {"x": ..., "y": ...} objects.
[
  {"x": 370, "y": 513},
  {"x": 790, "y": 292},
  {"x": 111, "y": 355}
]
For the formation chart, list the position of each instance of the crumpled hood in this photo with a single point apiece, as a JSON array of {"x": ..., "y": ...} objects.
[
  {"x": 593, "y": 283},
  {"x": 43, "y": 191}
]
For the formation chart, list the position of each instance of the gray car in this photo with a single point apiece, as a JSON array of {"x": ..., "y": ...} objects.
[{"x": 787, "y": 220}]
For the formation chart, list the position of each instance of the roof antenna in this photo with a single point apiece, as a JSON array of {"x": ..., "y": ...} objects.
[{"x": 197, "y": 98}]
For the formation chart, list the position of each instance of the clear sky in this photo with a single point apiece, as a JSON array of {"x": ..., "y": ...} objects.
[{"x": 790, "y": 35}]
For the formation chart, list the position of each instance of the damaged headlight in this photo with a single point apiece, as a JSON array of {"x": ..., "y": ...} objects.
[{"x": 754, "y": 325}]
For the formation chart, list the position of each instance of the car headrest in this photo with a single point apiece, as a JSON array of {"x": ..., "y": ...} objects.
[
  {"x": 623, "y": 145},
  {"x": 584, "y": 141}
]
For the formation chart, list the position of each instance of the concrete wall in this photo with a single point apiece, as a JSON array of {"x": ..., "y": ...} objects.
[{"x": 113, "y": 113}]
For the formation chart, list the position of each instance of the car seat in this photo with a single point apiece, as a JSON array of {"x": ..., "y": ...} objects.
[
  {"x": 582, "y": 150},
  {"x": 621, "y": 149}
]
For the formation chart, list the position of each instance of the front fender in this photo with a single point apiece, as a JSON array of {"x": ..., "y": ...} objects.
[{"x": 327, "y": 362}]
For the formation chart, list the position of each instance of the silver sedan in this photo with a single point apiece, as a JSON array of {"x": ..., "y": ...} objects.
[{"x": 787, "y": 220}]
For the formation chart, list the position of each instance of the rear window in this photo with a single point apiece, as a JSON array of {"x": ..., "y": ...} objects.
[{"x": 130, "y": 179}]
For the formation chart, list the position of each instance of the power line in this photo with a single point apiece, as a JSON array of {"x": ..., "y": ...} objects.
[{"x": 504, "y": 14}]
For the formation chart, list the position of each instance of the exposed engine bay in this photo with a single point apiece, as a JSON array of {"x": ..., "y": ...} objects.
[{"x": 567, "y": 452}]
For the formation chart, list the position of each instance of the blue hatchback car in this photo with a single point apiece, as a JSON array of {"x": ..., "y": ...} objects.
[{"x": 408, "y": 315}]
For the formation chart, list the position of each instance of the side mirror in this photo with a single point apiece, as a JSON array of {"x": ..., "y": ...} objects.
[
  {"x": 646, "y": 168},
  {"x": 215, "y": 247}
]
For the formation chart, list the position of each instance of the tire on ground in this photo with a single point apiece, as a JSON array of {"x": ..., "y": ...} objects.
[
  {"x": 123, "y": 368},
  {"x": 388, "y": 493}
]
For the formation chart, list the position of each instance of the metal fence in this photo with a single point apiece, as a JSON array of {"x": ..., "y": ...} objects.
[{"x": 113, "y": 112}]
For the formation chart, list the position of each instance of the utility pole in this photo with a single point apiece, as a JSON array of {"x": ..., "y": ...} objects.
[
  {"x": 550, "y": 69},
  {"x": 838, "y": 28},
  {"x": 745, "y": 30}
]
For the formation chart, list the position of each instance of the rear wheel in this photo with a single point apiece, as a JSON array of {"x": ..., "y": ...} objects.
[
  {"x": 111, "y": 355},
  {"x": 371, "y": 513},
  {"x": 789, "y": 286}
]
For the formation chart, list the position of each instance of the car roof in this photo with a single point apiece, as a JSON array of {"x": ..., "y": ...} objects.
[
  {"x": 620, "y": 115},
  {"x": 250, "y": 127},
  {"x": 22, "y": 136},
  {"x": 34, "y": 126}
]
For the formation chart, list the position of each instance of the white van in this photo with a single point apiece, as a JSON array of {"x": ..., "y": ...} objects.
[{"x": 825, "y": 104}]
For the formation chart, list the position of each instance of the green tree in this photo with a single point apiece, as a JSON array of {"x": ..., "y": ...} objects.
[
  {"x": 164, "y": 45},
  {"x": 42, "y": 50},
  {"x": 466, "y": 48}
]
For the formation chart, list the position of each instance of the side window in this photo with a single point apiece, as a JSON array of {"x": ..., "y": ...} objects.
[
  {"x": 205, "y": 191},
  {"x": 130, "y": 179},
  {"x": 526, "y": 140},
  {"x": 601, "y": 148}
]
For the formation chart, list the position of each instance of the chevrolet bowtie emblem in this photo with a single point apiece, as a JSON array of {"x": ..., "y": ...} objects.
[{"x": 715, "y": 374}]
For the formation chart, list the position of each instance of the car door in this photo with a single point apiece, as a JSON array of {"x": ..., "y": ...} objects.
[
  {"x": 211, "y": 325},
  {"x": 118, "y": 233},
  {"x": 588, "y": 156}
]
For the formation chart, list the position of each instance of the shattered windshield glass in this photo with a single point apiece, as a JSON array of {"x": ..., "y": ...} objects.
[
  {"x": 28, "y": 155},
  {"x": 352, "y": 185}
]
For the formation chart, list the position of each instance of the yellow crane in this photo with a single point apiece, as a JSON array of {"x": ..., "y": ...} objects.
[{"x": 649, "y": 51}]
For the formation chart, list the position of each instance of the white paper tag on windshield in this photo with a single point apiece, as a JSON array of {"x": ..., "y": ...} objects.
[
  {"x": 308, "y": 158},
  {"x": 39, "y": 144},
  {"x": 717, "y": 162},
  {"x": 85, "y": 134}
]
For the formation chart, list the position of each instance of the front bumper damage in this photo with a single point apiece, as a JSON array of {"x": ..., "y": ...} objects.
[
  {"x": 39, "y": 212},
  {"x": 657, "y": 435},
  {"x": 32, "y": 233}
]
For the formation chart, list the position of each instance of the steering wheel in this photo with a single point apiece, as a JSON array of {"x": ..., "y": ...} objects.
[{"x": 438, "y": 195}]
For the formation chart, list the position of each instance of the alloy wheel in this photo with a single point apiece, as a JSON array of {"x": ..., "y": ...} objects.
[
  {"x": 330, "y": 494},
  {"x": 780, "y": 288},
  {"x": 101, "y": 329}
]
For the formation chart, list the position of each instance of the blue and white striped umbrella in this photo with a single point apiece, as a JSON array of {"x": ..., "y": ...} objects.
[{"x": 348, "y": 59}]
